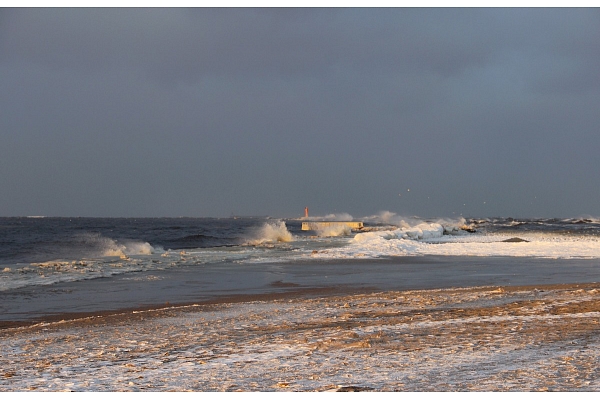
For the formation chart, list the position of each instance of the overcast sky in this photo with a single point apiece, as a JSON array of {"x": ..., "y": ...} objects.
[{"x": 209, "y": 112}]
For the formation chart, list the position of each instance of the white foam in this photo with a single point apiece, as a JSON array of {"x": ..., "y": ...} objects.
[
  {"x": 271, "y": 232},
  {"x": 96, "y": 245},
  {"x": 98, "y": 256},
  {"x": 138, "y": 248},
  {"x": 114, "y": 249},
  {"x": 333, "y": 230},
  {"x": 380, "y": 246},
  {"x": 333, "y": 217},
  {"x": 391, "y": 218},
  {"x": 446, "y": 238}
]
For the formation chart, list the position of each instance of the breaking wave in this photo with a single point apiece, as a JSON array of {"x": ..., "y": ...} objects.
[
  {"x": 421, "y": 231},
  {"x": 457, "y": 237},
  {"x": 449, "y": 225},
  {"x": 333, "y": 217},
  {"x": 97, "y": 245},
  {"x": 334, "y": 230},
  {"x": 129, "y": 249},
  {"x": 271, "y": 232}
]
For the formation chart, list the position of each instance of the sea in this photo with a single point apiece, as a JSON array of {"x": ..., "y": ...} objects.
[{"x": 56, "y": 266}]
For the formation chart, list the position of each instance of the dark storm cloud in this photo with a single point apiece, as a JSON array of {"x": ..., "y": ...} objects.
[
  {"x": 143, "y": 112},
  {"x": 191, "y": 44}
]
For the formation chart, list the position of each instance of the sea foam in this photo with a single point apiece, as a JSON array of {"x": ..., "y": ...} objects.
[
  {"x": 94, "y": 245},
  {"x": 448, "y": 238},
  {"x": 333, "y": 230},
  {"x": 128, "y": 249}
]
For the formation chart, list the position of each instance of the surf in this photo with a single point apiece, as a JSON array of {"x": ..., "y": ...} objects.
[{"x": 270, "y": 232}]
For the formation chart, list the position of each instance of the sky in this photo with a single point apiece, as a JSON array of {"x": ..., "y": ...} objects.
[{"x": 430, "y": 112}]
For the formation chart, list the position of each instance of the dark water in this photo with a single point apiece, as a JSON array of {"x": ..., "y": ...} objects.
[
  {"x": 26, "y": 239},
  {"x": 42, "y": 239},
  {"x": 567, "y": 226},
  {"x": 182, "y": 260}
]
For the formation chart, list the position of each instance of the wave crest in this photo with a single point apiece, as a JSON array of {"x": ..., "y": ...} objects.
[
  {"x": 127, "y": 249},
  {"x": 417, "y": 232},
  {"x": 334, "y": 230},
  {"x": 271, "y": 232},
  {"x": 107, "y": 247}
]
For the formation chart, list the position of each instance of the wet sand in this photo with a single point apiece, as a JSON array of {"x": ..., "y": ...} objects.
[
  {"x": 513, "y": 338},
  {"x": 143, "y": 311}
]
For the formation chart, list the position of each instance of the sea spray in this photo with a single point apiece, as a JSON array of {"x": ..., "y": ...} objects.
[
  {"x": 97, "y": 245},
  {"x": 333, "y": 217},
  {"x": 137, "y": 248},
  {"x": 450, "y": 226},
  {"x": 333, "y": 230},
  {"x": 271, "y": 232},
  {"x": 392, "y": 219},
  {"x": 418, "y": 232}
]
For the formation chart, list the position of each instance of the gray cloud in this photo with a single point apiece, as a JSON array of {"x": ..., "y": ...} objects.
[{"x": 204, "y": 112}]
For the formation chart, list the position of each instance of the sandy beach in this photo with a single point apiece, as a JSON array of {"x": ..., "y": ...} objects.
[
  {"x": 299, "y": 198},
  {"x": 542, "y": 338}
]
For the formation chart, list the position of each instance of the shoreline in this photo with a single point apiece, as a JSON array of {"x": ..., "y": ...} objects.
[
  {"x": 157, "y": 310},
  {"x": 217, "y": 283},
  {"x": 151, "y": 309}
]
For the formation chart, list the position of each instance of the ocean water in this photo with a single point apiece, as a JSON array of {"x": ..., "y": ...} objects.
[{"x": 61, "y": 265}]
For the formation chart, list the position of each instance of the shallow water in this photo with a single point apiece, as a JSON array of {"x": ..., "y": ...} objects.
[{"x": 188, "y": 285}]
